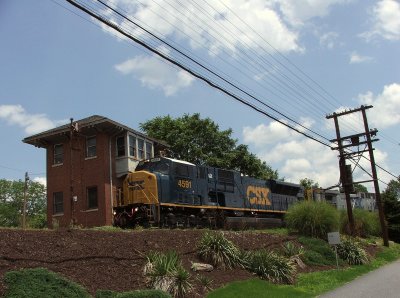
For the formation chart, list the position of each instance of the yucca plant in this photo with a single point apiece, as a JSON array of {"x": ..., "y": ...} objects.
[
  {"x": 165, "y": 272},
  {"x": 289, "y": 249},
  {"x": 215, "y": 249},
  {"x": 352, "y": 252},
  {"x": 205, "y": 282},
  {"x": 271, "y": 266}
]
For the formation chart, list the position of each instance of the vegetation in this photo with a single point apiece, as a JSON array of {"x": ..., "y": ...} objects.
[
  {"x": 11, "y": 203},
  {"x": 166, "y": 273},
  {"x": 360, "y": 188},
  {"x": 133, "y": 294},
  {"x": 290, "y": 249},
  {"x": 308, "y": 284},
  {"x": 308, "y": 185},
  {"x": 317, "y": 252},
  {"x": 314, "y": 219},
  {"x": 216, "y": 250},
  {"x": 40, "y": 283},
  {"x": 271, "y": 266},
  {"x": 352, "y": 252},
  {"x": 391, "y": 202},
  {"x": 200, "y": 141},
  {"x": 366, "y": 223}
]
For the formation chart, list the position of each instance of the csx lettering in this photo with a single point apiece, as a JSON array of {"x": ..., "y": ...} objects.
[
  {"x": 258, "y": 195},
  {"x": 184, "y": 183}
]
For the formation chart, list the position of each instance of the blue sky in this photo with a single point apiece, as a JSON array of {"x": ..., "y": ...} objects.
[{"x": 57, "y": 63}]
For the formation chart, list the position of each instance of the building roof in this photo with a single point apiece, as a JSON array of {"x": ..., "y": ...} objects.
[{"x": 95, "y": 123}]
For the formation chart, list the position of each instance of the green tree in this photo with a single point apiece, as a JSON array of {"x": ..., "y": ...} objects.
[
  {"x": 201, "y": 142},
  {"x": 360, "y": 188},
  {"x": 11, "y": 203},
  {"x": 308, "y": 185},
  {"x": 391, "y": 203}
]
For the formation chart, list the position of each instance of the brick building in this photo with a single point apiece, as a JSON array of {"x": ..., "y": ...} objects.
[{"x": 86, "y": 162}]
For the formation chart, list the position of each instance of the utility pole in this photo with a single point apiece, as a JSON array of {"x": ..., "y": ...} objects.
[
  {"x": 24, "y": 205},
  {"x": 345, "y": 170},
  {"x": 375, "y": 178},
  {"x": 343, "y": 177}
]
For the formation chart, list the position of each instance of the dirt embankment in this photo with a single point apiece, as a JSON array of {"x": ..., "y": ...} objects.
[{"x": 114, "y": 260}]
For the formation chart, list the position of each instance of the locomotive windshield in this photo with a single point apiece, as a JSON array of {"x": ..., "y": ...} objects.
[{"x": 155, "y": 165}]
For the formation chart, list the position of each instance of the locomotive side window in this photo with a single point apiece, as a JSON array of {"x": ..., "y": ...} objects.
[{"x": 181, "y": 170}]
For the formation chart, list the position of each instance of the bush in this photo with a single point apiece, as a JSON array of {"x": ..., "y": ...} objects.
[
  {"x": 290, "y": 249},
  {"x": 317, "y": 252},
  {"x": 352, "y": 252},
  {"x": 272, "y": 267},
  {"x": 215, "y": 249},
  {"x": 165, "y": 273},
  {"x": 314, "y": 219},
  {"x": 366, "y": 223},
  {"x": 40, "y": 283}
]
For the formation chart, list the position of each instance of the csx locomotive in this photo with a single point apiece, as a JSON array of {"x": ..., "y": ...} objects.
[{"x": 169, "y": 192}]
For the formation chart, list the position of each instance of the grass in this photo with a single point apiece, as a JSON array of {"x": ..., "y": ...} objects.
[{"x": 308, "y": 284}]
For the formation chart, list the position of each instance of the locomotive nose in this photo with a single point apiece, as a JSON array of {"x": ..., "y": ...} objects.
[{"x": 140, "y": 188}]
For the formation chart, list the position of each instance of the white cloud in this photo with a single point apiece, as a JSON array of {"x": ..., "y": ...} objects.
[
  {"x": 355, "y": 58},
  {"x": 31, "y": 123},
  {"x": 41, "y": 180},
  {"x": 386, "y": 21},
  {"x": 386, "y": 110},
  {"x": 156, "y": 74},
  {"x": 213, "y": 26},
  {"x": 329, "y": 40},
  {"x": 298, "y": 12}
]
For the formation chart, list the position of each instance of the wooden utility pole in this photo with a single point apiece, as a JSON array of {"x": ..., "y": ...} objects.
[
  {"x": 375, "y": 178},
  {"x": 345, "y": 172},
  {"x": 25, "y": 199}
]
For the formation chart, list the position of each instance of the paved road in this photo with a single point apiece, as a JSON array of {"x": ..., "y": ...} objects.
[{"x": 382, "y": 283}]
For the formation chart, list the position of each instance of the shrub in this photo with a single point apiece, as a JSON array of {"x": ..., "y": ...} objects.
[
  {"x": 166, "y": 273},
  {"x": 290, "y": 249},
  {"x": 40, "y": 282},
  {"x": 205, "y": 282},
  {"x": 366, "y": 223},
  {"x": 352, "y": 252},
  {"x": 215, "y": 249},
  {"x": 317, "y": 252},
  {"x": 314, "y": 219},
  {"x": 271, "y": 266}
]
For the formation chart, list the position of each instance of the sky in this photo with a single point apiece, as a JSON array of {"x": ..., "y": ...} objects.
[{"x": 301, "y": 60}]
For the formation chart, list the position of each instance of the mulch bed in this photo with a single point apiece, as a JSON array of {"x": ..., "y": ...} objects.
[{"x": 115, "y": 260}]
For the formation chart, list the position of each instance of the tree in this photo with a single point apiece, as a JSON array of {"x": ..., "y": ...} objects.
[
  {"x": 11, "y": 203},
  {"x": 308, "y": 185},
  {"x": 391, "y": 205},
  {"x": 201, "y": 142},
  {"x": 360, "y": 188}
]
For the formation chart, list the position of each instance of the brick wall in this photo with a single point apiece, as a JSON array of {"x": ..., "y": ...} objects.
[{"x": 80, "y": 172}]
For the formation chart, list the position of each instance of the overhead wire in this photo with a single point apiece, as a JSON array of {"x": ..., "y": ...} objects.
[{"x": 200, "y": 76}]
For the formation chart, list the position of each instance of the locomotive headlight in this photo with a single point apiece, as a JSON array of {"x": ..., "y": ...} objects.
[
  {"x": 115, "y": 212},
  {"x": 136, "y": 209}
]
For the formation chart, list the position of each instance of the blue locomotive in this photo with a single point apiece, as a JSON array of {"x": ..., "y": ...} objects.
[{"x": 170, "y": 192}]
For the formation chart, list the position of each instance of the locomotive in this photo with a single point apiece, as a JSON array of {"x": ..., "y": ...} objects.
[{"x": 173, "y": 193}]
